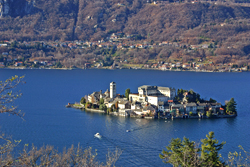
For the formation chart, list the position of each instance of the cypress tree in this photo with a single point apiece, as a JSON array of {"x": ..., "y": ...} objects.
[
  {"x": 127, "y": 92},
  {"x": 231, "y": 106}
]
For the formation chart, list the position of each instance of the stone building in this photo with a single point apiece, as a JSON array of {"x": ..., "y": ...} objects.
[{"x": 153, "y": 94}]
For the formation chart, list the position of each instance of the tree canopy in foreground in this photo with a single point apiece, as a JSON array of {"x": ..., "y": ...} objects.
[{"x": 186, "y": 153}]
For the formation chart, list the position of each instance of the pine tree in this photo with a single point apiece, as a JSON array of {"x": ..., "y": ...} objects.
[
  {"x": 181, "y": 153},
  {"x": 186, "y": 153},
  {"x": 210, "y": 151}
]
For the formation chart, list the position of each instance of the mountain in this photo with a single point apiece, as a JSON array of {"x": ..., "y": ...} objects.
[
  {"x": 94, "y": 20},
  {"x": 221, "y": 29}
]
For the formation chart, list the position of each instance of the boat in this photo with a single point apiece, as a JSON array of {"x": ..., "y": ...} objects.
[
  {"x": 97, "y": 135},
  {"x": 127, "y": 130}
]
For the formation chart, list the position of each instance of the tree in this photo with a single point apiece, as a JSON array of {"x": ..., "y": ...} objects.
[
  {"x": 239, "y": 158},
  {"x": 210, "y": 151},
  {"x": 198, "y": 98},
  {"x": 83, "y": 100},
  {"x": 212, "y": 100},
  {"x": 231, "y": 106},
  {"x": 191, "y": 91},
  {"x": 14, "y": 44},
  {"x": 181, "y": 153},
  {"x": 88, "y": 105},
  {"x": 103, "y": 107},
  {"x": 7, "y": 97},
  {"x": 187, "y": 154},
  {"x": 180, "y": 94},
  {"x": 48, "y": 156},
  {"x": 101, "y": 101},
  {"x": 127, "y": 92},
  {"x": 58, "y": 65},
  {"x": 209, "y": 113}
]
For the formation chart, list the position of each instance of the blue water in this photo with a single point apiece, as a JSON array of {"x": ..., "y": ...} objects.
[{"x": 47, "y": 121}]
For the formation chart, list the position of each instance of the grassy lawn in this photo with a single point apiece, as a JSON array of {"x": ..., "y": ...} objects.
[{"x": 77, "y": 105}]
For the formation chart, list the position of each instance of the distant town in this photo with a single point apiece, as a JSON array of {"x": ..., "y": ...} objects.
[
  {"x": 156, "y": 102},
  {"x": 14, "y": 55},
  {"x": 208, "y": 36}
]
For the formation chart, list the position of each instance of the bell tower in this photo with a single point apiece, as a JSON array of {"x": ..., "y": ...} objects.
[{"x": 112, "y": 90}]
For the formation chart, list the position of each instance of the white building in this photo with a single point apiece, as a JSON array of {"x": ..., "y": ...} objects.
[
  {"x": 112, "y": 90},
  {"x": 96, "y": 96},
  {"x": 153, "y": 94}
]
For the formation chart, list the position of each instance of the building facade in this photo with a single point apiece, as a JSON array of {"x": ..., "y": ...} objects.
[{"x": 153, "y": 94}]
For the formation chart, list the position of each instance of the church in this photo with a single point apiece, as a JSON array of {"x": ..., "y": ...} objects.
[
  {"x": 108, "y": 95},
  {"x": 153, "y": 94}
]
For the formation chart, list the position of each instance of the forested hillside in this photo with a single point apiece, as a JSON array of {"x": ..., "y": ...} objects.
[
  {"x": 222, "y": 25},
  {"x": 94, "y": 20}
]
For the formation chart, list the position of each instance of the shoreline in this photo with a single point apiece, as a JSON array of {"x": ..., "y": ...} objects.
[
  {"x": 25, "y": 68},
  {"x": 119, "y": 114}
]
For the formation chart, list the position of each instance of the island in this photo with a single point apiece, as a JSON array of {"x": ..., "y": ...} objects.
[{"x": 155, "y": 102}]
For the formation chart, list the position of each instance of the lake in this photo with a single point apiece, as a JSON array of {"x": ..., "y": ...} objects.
[{"x": 48, "y": 122}]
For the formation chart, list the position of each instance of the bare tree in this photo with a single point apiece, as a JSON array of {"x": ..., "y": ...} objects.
[
  {"x": 45, "y": 156},
  {"x": 6, "y": 106},
  {"x": 7, "y": 96}
]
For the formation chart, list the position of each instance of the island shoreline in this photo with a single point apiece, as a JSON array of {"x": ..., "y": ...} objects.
[{"x": 72, "y": 105}]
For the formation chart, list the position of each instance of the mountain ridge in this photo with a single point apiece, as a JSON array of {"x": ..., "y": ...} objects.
[{"x": 94, "y": 20}]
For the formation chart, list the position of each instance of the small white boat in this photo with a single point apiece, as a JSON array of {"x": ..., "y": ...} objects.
[
  {"x": 97, "y": 135},
  {"x": 127, "y": 130}
]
